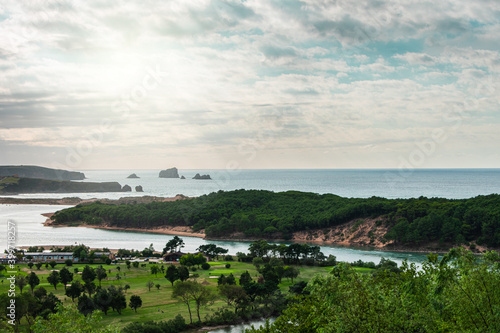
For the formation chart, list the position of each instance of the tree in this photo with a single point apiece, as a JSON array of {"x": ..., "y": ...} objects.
[
  {"x": 81, "y": 252},
  {"x": 49, "y": 304},
  {"x": 102, "y": 300},
  {"x": 173, "y": 244},
  {"x": 69, "y": 319},
  {"x": 85, "y": 305},
  {"x": 40, "y": 292},
  {"x": 52, "y": 264},
  {"x": 90, "y": 287},
  {"x": 183, "y": 273},
  {"x": 100, "y": 274},
  {"x": 68, "y": 262},
  {"x": 88, "y": 276},
  {"x": 172, "y": 274},
  {"x": 33, "y": 281},
  {"x": 38, "y": 265},
  {"x": 233, "y": 295},
  {"x": 21, "y": 282},
  {"x": 245, "y": 278},
  {"x": 150, "y": 284},
  {"x": 118, "y": 300},
  {"x": 30, "y": 265},
  {"x": 257, "y": 262},
  {"x": 291, "y": 272},
  {"x": 75, "y": 290},
  {"x": 135, "y": 302},
  {"x": 157, "y": 286},
  {"x": 66, "y": 276},
  {"x": 155, "y": 269},
  {"x": 54, "y": 279},
  {"x": 212, "y": 250},
  {"x": 192, "y": 291}
]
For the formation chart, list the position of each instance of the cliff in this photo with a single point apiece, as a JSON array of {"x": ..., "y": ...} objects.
[
  {"x": 16, "y": 185},
  {"x": 31, "y": 171},
  {"x": 169, "y": 173}
]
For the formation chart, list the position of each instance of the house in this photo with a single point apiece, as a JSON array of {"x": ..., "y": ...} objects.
[
  {"x": 49, "y": 256},
  {"x": 173, "y": 256}
]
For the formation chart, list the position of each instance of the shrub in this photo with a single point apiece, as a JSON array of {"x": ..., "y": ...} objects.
[
  {"x": 68, "y": 262},
  {"x": 205, "y": 266},
  {"x": 228, "y": 257},
  {"x": 228, "y": 265}
]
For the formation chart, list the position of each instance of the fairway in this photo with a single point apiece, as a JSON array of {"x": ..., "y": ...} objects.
[{"x": 157, "y": 304}]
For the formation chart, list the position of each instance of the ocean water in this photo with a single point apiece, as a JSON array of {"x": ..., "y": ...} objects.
[
  {"x": 454, "y": 183},
  {"x": 388, "y": 183}
]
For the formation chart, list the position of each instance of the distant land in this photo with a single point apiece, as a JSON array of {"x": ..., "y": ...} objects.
[
  {"x": 423, "y": 224},
  {"x": 32, "y": 171},
  {"x": 18, "y": 185}
]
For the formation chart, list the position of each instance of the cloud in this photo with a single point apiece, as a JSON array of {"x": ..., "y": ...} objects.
[{"x": 303, "y": 75}]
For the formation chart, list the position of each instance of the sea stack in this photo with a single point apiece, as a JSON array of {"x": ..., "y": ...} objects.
[
  {"x": 169, "y": 173},
  {"x": 133, "y": 176},
  {"x": 126, "y": 188},
  {"x": 198, "y": 176},
  {"x": 139, "y": 188}
]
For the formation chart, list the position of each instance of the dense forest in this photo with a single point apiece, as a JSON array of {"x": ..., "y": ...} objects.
[{"x": 265, "y": 214}]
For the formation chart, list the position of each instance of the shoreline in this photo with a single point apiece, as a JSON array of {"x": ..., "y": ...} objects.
[
  {"x": 76, "y": 200},
  {"x": 298, "y": 237},
  {"x": 175, "y": 231}
]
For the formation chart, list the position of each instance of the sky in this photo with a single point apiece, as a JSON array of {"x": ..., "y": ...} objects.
[{"x": 263, "y": 84}]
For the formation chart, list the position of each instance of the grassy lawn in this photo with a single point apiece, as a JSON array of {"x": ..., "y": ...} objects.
[{"x": 157, "y": 304}]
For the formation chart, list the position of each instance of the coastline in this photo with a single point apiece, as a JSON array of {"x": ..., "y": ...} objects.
[
  {"x": 175, "y": 231},
  {"x": 356, "y": 236},
  {"x": 76, "y": 200}
]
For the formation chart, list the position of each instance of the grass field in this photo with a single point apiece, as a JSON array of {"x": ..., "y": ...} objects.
[{"x": 157, "y": 304}]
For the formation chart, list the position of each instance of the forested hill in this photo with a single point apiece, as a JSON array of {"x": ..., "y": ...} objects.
[
  {"x": 33, "y": 171},
  {"x": 257, "y": 213}
]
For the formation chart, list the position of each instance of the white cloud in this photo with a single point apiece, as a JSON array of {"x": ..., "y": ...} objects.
[{"x": 312, "y": 75}]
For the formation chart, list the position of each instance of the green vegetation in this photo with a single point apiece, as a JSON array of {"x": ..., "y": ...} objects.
[
  {"x": 264, "y": 214},
  {"x": 215, "y": 296},
  {"x": 458, "y": 293},
  {"x": 14, "y": 185}
]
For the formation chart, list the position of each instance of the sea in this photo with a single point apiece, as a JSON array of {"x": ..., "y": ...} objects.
[{"x": 388, "y": 183}]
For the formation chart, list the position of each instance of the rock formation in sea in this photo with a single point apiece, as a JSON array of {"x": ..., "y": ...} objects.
[
  {"x": 182, "y": 177},
  {"x": 133, "y": 176},
  {"x": 169, "y": 173},
  {"x": 126, "y": 188},
  {"x": 198, "y": 176},
  {"x": 139, "y": 188}
]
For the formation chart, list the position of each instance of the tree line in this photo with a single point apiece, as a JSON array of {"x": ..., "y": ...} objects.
[{"x": 265, "y": 214}]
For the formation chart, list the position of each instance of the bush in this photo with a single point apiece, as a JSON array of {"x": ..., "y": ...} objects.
[
  {"x": 228, "y": 257},
  {"x": 68, "y": 262},
  {"x": 228, "y": 265},
  {"x": 108, "y": 261},
  {"x": 205, "y": 266},
  {"x": 193, "y": 269}
]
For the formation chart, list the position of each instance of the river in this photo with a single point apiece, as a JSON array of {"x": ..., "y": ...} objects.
[{"x": 30, "y": 231}]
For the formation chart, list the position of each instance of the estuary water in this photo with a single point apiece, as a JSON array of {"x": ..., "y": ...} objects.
[{"x": 449, "y": 183}]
